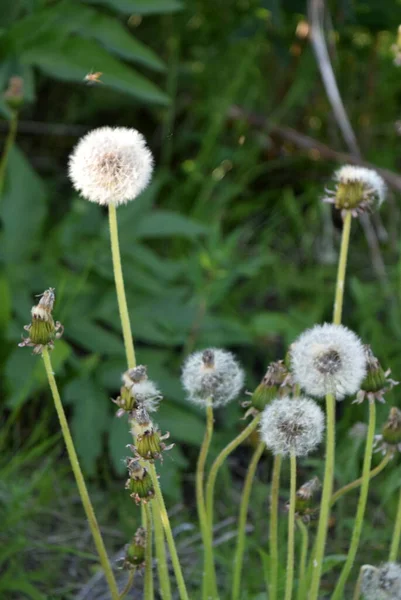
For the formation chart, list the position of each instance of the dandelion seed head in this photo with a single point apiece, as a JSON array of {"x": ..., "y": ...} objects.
[
  {"x": 111, "y": 165},
  {"x": 147, "y": 394},
  {"x": 328, "y": 359},
  {"x": 213, "y": 376},
  {"x": 292, "y": 426},
  {"x": 381, "y": 583},
  {"x": 357, "y": 189}
]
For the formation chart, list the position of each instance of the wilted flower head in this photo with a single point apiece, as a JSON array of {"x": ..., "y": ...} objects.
[
  {"x": 139, "y": 482},
  {"x": 292, "y": 426},
  {"x": 377, "y": 381},
  {"x": 137, "y": 390},
  {"x": 212, "y": 376},
  {"x": 304, "y": 505},
  {"x": 111, "y": 165},
  {"x": 134, "y": 553},
  {"x": 276, "y": 382},
  {"x": 382, "y": 583},
  {"x": 43, "y": 330},
  {"x": 328, "y": 359},
  {"x": 390, "y": 438},
  {"x": 149, "y": 443},
  {"x": 357, "y": 189}
]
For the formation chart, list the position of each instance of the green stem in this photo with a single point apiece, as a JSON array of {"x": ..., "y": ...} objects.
[
  {"x": 83, "y": 492},
  {"x": 273, "y": 534},
  {"x": 169, "y": 534},
  {"x": 209, "y": 584},
  {"x": 162, "y": 567},
  {"x": 129, "y": 585},
  {"x": 239, "y": 552},
  {"x": 354, "y": 484},
  {"x": 320, "y": 543},
  {"x": 360, "y": 513},
  {"x": 357, "y": 591},
  {"x": 120, "y": 289},
  {"x": 303, "y": 558},
  {"x": 148, "y": 593},
  {"x": 291, "y": 530},
  {"x": 12, "y": 133},
  {"x": 395, "y": 542},
  {"x": 342, "y": 267}
]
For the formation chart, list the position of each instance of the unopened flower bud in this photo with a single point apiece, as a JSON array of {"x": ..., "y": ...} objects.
[
  {"x": 271, "y": 386},
  {"x": 390, "y": 438},
  {"x": 304, "y": 500},
  {"x": 135, "y": 551},
  {"x": 148, "y": 441},
  {"x": 376, "y": 381},
  {"x": 43, "y": 330},
  {"x": 139, "y": 483},
  {"x": 14, "y": 94},
  {"x": 357, "y": 189}
]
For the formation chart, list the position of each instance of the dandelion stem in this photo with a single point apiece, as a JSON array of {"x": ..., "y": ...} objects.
[
  {"x": 363, "y": 495},
  {"x": 273, "y": 533},
  {"x": 325, "y": 501},
  {"x": 12, "y": 133},
  {"x": 148, "y": 593},
  {"x": 120, "y": 289},
  {"x": 395, "y": 542},
  {"x": 162, "y": 567},
  {"x": 209, "y": 585},
  {"x": 291, "y": 530},
  {"x": 303, "y": 558},
  {"x": 129, "y": 585},
  {"x": 169, "y": 534},
  {"x": 83, "y": 492},
  {"x": 357, "y": 590},
  {"x": 239, "y": 552},
  {"x": 342, "y": 267}
]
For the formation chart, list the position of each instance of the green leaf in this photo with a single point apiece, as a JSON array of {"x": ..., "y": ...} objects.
[
  {"x": 161, "y": 223},
  {"x": 331, "y": 561},
  {"x": 95, "y": 338},
  {"x": 141, "y": 7},
  {"x": 22, "y": 210},
  {"x": 183, "y": 425}
]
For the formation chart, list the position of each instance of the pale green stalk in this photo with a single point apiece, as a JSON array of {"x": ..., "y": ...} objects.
[
  {"x": 129, "y": 585},
  {"x": 303, "y": 558},
  {"x": 342, "y": 267},
  {"x": 83, "y": 492},
  {"x": 239, "y": 552},
  {"x": 395, "y": 542},
  {"x": 291, "y": 530},
  {"x": 162, "y": 569},
  {"x": 148, "y": 593},
  {"x": 360, "y": 513},
  {"x": 273, "y": 530},
  {"x": 357, "y": 590},
  {"x": 12, "y": 133}
]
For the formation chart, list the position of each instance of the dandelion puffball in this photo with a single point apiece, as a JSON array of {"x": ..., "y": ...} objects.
[
  {"x": 111, "y": 165},
  {"x": 292, "y": 426},
  {"x": 382, "y": 583},
  {"x": 357, "y": 189},
  {"x": 212, "y": 376},
  {"x": 328, "y": 359}
]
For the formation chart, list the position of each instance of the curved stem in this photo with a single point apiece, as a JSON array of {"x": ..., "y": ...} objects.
[
  {"x": 395, "y": 542},
  {"x": 320, "y": 543},
  {"x": 239, "y": 552},
  {"x": 169, "y": 534},
  {"x": 342, "y": 267},
  {"x": 83, "y": 492},
  {"x": 209, "y": 585},
  {"x": 12, "y": 133},
  {"x": 303, "y": 558},
  {"x": 162, "y": 567},
  {"x": 273, "y": 533},
  {"x": 120, "y": 289},
  {"x": 129, "y": 585},
  {"x": 354, "y": 484},
  {"x": 291, "y": 530},
  {"x": 360, "y": 512},
  {"x": 148, "y": 593}
]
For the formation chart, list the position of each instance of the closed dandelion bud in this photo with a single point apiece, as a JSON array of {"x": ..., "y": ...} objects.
[
  {"x": 271, "y": 386},
  {"x": 382, "y": 583},
  {"x": 390, "y": 438},
  {"x": 328, "y": 359},
  {"x": 357, "y": 189},
  {"x": 14, "y": 94},
  {"x": 376, "y": 381},
  {"x": 148, "y": 441},
  {"x": 212, "y": 376},
  {"x": 304, "y": 500},
  {"x": 139, "y": 482},
  {"x": 43, "y": 331},
  {"x": 135, "y": 552},
  {"x": 292, "y": 426}
]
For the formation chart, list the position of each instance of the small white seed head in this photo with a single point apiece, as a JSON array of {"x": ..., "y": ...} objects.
[
  {"x": 328, "y": 359},
  {"x": 212, "y": 376},
  {"x": 147, "y": 394},
  {"x": 292, "y": 426},
  {"x": 382, "y": 583},
  {"x": 357, "y": 189},
  {"x": 111, "y": 165}
]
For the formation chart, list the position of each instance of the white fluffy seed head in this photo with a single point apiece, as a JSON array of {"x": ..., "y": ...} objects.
[
  {"x": 357, "y": 189},
  {"x": 370, "y": 179},
  {"x": 292, "y": 426},
  {"x": 382, "y": 583},
  {"x": 111, "y": 165},
  {"x": 328, "y": 359},
  {"x": 213, "y": 376},
  {"x": 146, "y": 393}
]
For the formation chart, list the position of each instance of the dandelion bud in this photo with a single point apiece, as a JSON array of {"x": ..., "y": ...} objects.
[
  {"x": 137, "y": 391},
  {"x": 14, "y": 94},
  {"x": 357, "y": 189},
  {"x": 390, "y": 438},
  {"x": 328, "y": 359},
  {"x": 272, "y": 385},
  {"x": 135, "y": 551},
  {"x": 376, "y": 382},
  {"x": 303, "y": 500},
  {"x": 148, "y": 441},
  {"x": 111, "y": 165},
  {"x": 43, "y": 330},
  {"x": 139, "y": 483},
  {"x": 382, "y": 583},
  {"x": 212, "y": 376},
  {"x": 292, "y": 426}
]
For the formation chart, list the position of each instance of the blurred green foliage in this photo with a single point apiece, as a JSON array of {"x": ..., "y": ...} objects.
[{"x": 230, "y": 246}]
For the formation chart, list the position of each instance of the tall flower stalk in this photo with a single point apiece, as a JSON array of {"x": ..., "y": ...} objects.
[
  {"x": 273, "y": 529},
  {"x": 303, "y": 559},
  {"x": 148, "y": 592},
  {"x": 291, "y": 529},
  {"x": 395, "y": 542}
]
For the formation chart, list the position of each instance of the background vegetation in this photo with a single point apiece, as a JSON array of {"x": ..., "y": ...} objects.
[{"x": 230, "y": 246}]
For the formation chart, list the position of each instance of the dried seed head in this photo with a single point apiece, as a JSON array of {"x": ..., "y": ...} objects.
[
  {"x": 137, "y": 390},
  {"x": 382, "y": 583},
  {"x": 328, "y": 359},
  {"x": 377, "y": 382},
  {"x": 111, "y": 165},
  {"x": 139, "y": 483},
  {"x": 43, "y": 331},
  {"x": 135, "y": 375},
  {"x": 292, "y": 426},
  {"x": 357, "y": 189},
  {"x": 212, "y": 376},
  {"x": 390, "y": 438}
]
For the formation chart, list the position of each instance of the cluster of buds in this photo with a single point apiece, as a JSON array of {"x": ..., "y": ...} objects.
[
  {"x": 134, "y": 553},
  {"x": 377, "y": 381},
  {"x": 14, "y": 94},
  {"x": 304, "y": 508},
  {"x": 390, "y": 438},
  {"x": 149, "y": 444},
  {"x": 137, "y": 390},
  {"x": 275, "y": 383},
  {"x": 43, "y": 330},
  {"x": 139, "y": 482}
]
